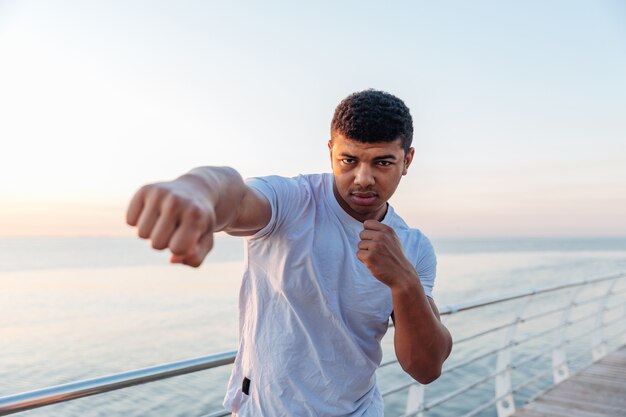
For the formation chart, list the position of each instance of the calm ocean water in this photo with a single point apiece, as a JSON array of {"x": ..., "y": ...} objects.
[{"x": 75, "y": 308}]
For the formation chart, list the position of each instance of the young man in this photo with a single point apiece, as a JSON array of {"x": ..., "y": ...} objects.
[{"x": 328, "y": 261}]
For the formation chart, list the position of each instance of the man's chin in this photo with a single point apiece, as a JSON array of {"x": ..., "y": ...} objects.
[{"x": 368, "y": 210}]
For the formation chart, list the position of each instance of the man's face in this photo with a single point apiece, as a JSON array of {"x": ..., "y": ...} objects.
[{"x": 366, "y": 174}]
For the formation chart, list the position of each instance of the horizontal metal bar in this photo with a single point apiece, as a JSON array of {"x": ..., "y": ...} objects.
[
  {"x": 615, "y": 307},
  {"x": 592, "y": 299},
  {"x": 622, "y": 291},
  {"x": 533, "y": 358},
  {"x": 456, "y": 308},
  {"x": 558, "y": 327},
  {"x": 60, "y": 393},
  {"x": 475, "y": 358},
  {"x": 459, "y": 391},
  {"x": 398, "y": 388},
  {"x": 486, "y": 332},
  {"x": 537, "y": 335},
  {"x": 547, "y": 313}
]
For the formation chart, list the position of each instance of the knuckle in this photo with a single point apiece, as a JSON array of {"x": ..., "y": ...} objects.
[
  {"x": 171, "y": 202},
  {"x": 158, "y": 244},
  {"x": 178, "y": 248},
  {"x": 145, "y": 189},
  {"x": 194, "y": 261},
  {"x": 195, "y": 214},
  {"x": 150, "y": 191}
]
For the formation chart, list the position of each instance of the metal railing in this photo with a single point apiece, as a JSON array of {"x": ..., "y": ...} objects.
[{"x": 504, "y": 395}]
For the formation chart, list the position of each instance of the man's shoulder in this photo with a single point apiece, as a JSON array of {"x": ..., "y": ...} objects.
[
  {"x": 293, "y": 200},
  {"x": 397, "y": 222},
  {"x": 309, "y": 178},
  {"x": 412, "y": 234},
  {"x": 313, "y": 183}
]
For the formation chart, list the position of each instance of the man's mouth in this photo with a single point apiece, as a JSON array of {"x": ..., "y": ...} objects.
[{"x": 364, "y": 198}]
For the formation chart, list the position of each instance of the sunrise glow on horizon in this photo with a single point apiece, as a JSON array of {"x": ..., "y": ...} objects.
[{"x": 518, "y": 108}]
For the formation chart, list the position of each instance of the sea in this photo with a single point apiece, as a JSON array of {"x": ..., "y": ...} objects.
[{"x": 74, "y": 308}]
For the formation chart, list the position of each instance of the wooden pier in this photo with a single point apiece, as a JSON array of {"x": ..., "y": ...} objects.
[{"x": 597, "y": 391}]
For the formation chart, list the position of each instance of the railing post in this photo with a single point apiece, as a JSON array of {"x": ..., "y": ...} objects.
[
  {"x": 505, "y": 404},
  {"x": 560, "y": 369},
  {"x": 598, "y": 344},
  {"x": 415, "y": 401}
]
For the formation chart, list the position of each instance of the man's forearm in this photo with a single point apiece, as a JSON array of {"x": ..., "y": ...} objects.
[{"x": 421, "y": 342}]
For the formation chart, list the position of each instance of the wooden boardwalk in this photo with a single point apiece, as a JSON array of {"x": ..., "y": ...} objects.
[{"x": 597, "y": 391}]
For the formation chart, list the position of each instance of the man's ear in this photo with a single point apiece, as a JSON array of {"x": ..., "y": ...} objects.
[
  {"x": 330, "y": 149},
  {"x": 407, "y": 160}
]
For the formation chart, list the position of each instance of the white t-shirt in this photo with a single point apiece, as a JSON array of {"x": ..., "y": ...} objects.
[{"x": 311, "y": 315}]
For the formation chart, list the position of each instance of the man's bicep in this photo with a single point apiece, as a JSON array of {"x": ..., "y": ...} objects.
[{"x": 253, "y": 214}]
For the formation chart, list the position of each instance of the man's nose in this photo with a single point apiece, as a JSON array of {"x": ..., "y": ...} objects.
[{"x": 364, "y": 176}]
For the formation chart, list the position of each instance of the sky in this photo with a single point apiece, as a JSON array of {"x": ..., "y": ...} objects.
[{"x": 519, "y": 107}]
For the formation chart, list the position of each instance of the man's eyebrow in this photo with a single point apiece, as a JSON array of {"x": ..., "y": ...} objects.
[
  {"x": 390, "y": 156},
  {"x": 347, "y": 155},
  {"x": 378, "y": 158}
]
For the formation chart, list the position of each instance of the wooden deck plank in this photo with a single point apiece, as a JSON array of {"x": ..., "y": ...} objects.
[{"x": 597, "y": 391}]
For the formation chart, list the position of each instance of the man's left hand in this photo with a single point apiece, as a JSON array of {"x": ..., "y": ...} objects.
[{"x": 381, "y": 252}]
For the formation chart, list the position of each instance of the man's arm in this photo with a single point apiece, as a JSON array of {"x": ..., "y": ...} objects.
[
  {"x": 183, "y": 214},
  {"x": 421, "y": 342}
]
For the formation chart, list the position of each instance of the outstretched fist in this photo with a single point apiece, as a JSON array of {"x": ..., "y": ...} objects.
[{"x": 174, "y": 215}]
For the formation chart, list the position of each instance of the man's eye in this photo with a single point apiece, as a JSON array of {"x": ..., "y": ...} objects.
[
  {"x": 384, "y": 163},
  {"x": 348, "y": 161}
]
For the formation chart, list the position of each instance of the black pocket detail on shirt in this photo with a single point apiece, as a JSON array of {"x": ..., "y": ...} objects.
[{"x": 245, "y": 387}]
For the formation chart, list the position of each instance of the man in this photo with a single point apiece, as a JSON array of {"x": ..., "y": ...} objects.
[{"x": 328, "y": 261}]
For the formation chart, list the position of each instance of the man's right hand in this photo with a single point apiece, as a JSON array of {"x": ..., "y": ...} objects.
[
  {"x": 183, "y": 214},
  {"x": 177, "y": 216}
]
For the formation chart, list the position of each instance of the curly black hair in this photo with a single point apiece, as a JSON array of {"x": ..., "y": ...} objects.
[{"x": 373, "y": 116}]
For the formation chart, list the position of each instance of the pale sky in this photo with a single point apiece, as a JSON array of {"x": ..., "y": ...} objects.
[{"x": 519, "y": 107}]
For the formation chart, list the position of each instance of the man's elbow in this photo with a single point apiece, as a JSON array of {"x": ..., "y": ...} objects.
[
  {"x": 429, "y": 368},
  {"x": 423, "y": 374}
]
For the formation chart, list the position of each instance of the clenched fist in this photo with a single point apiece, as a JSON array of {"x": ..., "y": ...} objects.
[
  {"x": 177, "y": 216},
  {"x": 381, "y": 251}
]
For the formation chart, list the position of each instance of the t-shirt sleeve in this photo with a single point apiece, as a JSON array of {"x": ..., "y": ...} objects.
[
  {"x": 286, "y": 196},
  {"x": 426, "y": 265}
]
